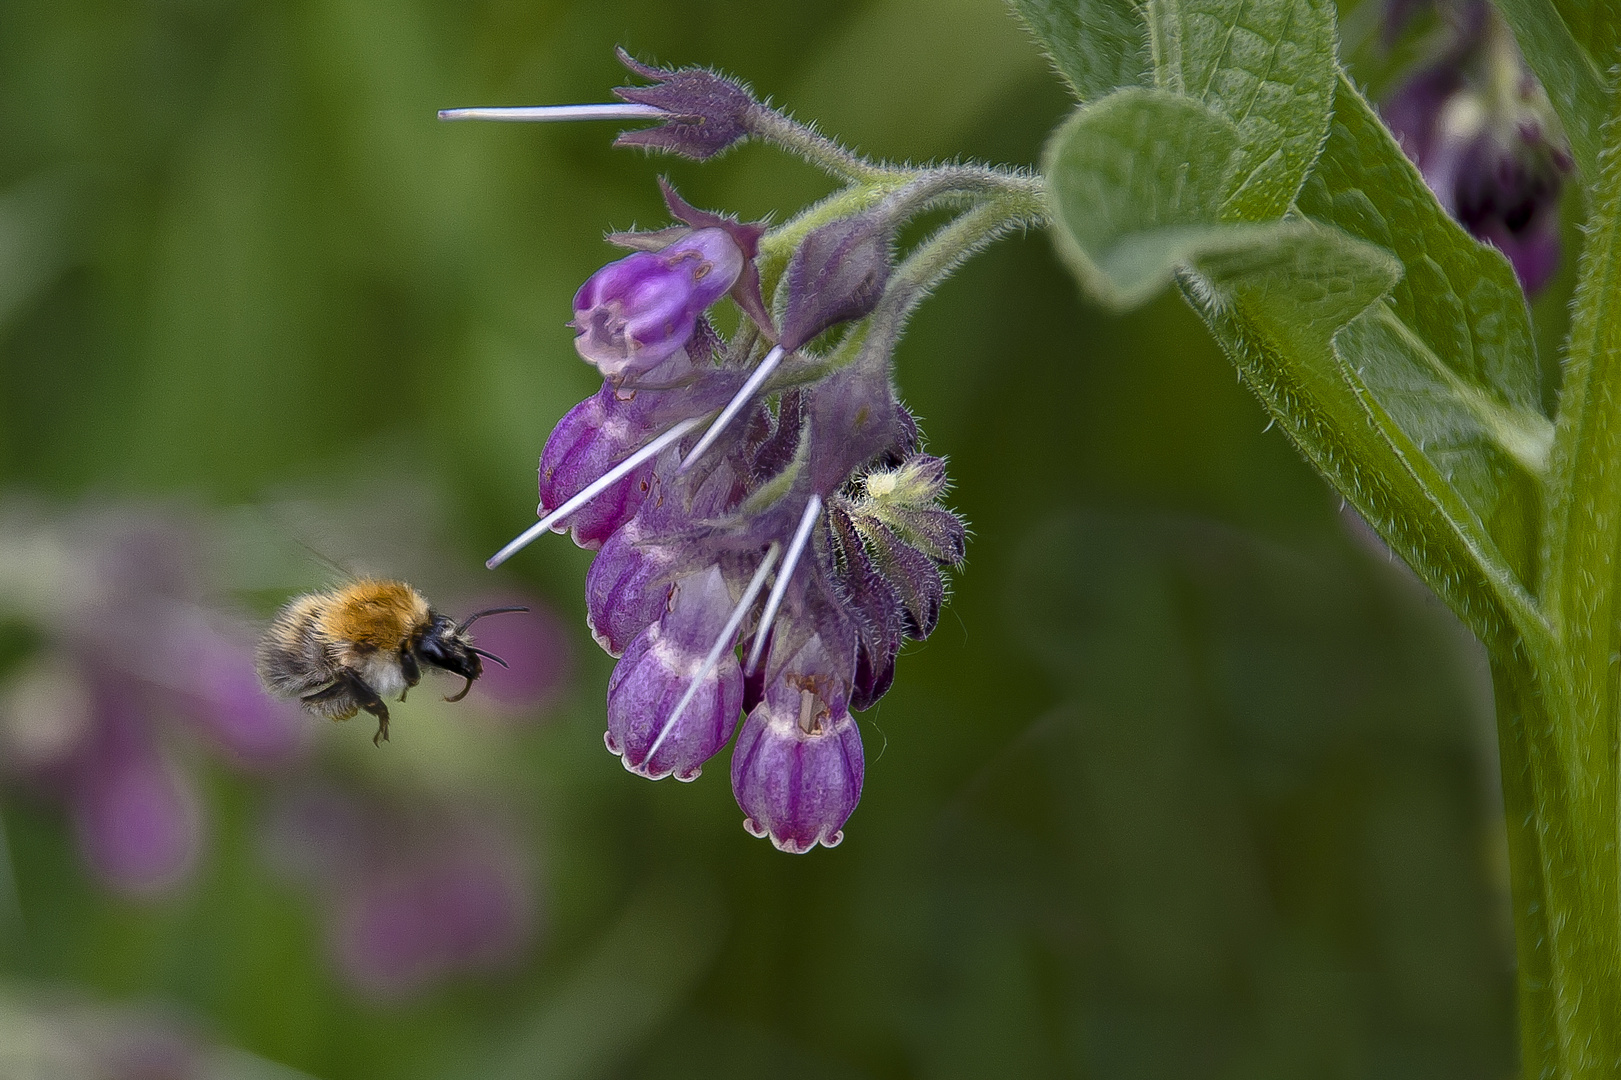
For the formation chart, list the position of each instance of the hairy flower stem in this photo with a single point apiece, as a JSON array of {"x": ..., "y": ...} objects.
[
  {"x": 1558, "y": 698},
  {"x": 768, "y": 124}
]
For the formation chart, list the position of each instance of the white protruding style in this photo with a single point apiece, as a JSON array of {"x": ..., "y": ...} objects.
[
  {"x": 722, "y": 643},
  {"x": 591, "y": 491},
  {"x": 741, "y": 398},
  {"x": 779, "y": 588},
  {"x": 555, "y": 113}
]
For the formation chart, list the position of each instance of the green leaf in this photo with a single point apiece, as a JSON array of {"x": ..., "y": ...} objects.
[
  {"x": 1268, "y": 68},
  {"x": 1096, "y": 45},
  {"x": 1570, "y": 45},
  {"x": 1135, "y": 180},
  {"x": 1394, "y": 349},
  {"x": 1449, "y": 355},
  {"x": 1137, "y": 186}
]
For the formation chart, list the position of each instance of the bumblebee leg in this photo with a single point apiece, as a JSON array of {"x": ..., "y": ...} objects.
[{"x": 364, "y": 696}]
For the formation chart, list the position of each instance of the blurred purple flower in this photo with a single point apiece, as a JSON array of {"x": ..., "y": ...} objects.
[
  {"x": 537, "y": 648},
  {"x": 1479, "y": 127},
  {"x": 115, "y": 597},
  {"x": 413, "y": 896},
  {"x": 136, "y": 814}
]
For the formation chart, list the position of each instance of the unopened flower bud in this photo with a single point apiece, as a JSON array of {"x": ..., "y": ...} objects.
[
  {"x": 137, "y": 816},
  {"x": 653, "y": 679},
  {"x": 836, "y": 274},
  {"x": 634, "y": 314}
]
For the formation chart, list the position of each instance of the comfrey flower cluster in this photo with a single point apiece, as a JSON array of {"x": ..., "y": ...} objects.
[
  {"x": 1480, "y": 128},
  {"x": 768, "y": 528}
]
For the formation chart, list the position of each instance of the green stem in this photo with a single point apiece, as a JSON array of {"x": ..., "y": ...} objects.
[
  {"x": 1558, "y": 704},
  {"x": 1518, "y": 717},
  {"x": 806, "y": 142}
]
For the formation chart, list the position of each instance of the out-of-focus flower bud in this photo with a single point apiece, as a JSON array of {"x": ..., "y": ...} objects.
[
  {"x": 536, "y": 646},
  {"x": 414, "y": 894},
  {"x": 225, "y": 699},
  {"x": 707, "y": 112},
  {"x": 455, "y": 907},
  {"x": 636, "y": 313},
  {"x": 137, "y": 815},
  {"x": 797, "y": 767},
  {"x": 1480, "y": 128},
  {"x": 655, "y": 678}
]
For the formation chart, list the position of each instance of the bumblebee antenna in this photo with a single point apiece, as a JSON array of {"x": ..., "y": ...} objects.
[
  {"x": 464, "y": 690},
  {"x": 487, "y": 655},
  {"x": 477, "y": 615},
  {"x": 325, "y": 560}
]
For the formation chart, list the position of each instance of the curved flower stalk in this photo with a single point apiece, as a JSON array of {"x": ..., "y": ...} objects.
[{"x": 769, "y": 528}]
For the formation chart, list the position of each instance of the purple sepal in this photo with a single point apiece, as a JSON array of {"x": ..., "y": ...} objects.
[
  {"x": 871, "y": 682},
  {"x": 836, "y": 274},
  {"x": 915, "y": 577},
  {"x": 778, "y": 440},
  {"x": 591, "y": 438},
  {"x": 798, "y": 766},
  {"x": 708, "y": 113},
  {"x": 637, "y": 312},
  {"x": 853, "y": 420},
  {"x": 871, "y": 598},
  {"x": 653, "y": 676},
  {"x": 746, "y": 235}
]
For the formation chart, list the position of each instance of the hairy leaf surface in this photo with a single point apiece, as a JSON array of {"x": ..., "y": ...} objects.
[
  {"x": 1096, "y": 45},
  {"x": 1265, "y": 65}
]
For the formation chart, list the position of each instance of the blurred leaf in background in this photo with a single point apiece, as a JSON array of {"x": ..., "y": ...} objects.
[{"x": 1187, "y": 784}]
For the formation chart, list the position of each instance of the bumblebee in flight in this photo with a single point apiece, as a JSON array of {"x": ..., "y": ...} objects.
[{"x": 346, "y": 649}]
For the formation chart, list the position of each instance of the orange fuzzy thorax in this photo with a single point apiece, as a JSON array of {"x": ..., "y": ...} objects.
[{"x": 375, "y": 614}]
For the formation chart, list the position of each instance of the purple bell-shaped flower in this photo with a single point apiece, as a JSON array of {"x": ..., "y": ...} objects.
[
  {"x": 797, "y": 766},
  {"x": 660, "y": 721},
  {"x": 636, "y": 313}
]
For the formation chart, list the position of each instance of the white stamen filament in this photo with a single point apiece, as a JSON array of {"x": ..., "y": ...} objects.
[
  {"x": 722, "y": 643},
  {"x": 741, "y": 398},
  {"x": 591, "y": 491},
  {"x": 779, "y": 588},
  {"x": 543, "y": 113}
]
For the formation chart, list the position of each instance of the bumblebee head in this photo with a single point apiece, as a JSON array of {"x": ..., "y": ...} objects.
[{"x": 447, "y": 645}]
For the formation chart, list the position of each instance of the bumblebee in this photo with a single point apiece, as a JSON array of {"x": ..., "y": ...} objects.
[{"x": 348, "y": 648}]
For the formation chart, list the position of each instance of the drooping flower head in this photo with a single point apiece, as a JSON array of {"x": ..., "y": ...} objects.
[{"x": 769, "y": 530}]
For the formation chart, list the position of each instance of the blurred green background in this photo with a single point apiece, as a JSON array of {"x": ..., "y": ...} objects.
[{"x": 1191, "y": 781}]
